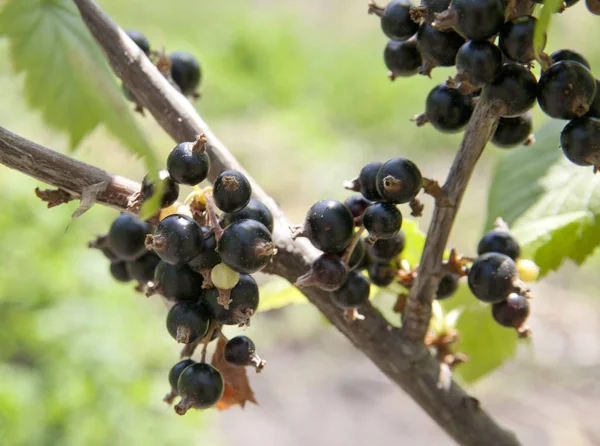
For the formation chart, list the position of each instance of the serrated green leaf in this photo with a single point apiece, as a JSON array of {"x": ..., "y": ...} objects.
[
  {"x": 543, "y": 22},
  {"x": 551, "y": 204},
  {"x": 66, "y": 76},
  {"x": 487, "y": 343}
]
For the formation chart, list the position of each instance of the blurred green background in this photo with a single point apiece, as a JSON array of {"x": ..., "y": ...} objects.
[{"x": 298, "y": 91}]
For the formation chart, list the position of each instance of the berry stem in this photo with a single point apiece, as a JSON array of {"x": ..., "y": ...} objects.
[
  {"x": 224, "y": 298},
  {"x": 184, "y": 405},
  {"x": 213, "y": 220},
  {"x": 352, "y": 246},
  {"x": 416, "y": 208},
  {"x": 258, "y": 363},
  {"x": 200, "y": 144},
  {"x": 446, "y": 20},
  {"x": 211, "y": 329},
  {"x": 420, "y": 119},
  {"x": 353, "y": 185}
]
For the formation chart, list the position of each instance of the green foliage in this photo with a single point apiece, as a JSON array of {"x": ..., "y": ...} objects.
[
  {"x": 543, "y": 24},
  {"x": 551, "y": 204}
]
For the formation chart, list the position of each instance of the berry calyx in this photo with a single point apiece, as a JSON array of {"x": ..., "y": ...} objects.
[
  {"x": 566, "y": 90},
  {"x": 231, "y": 191},
  {"x": 201, "y": 386},
  {"x": 185, "y": 72},
  {"x": 170, "y": 191},
  {"x": 382, "y": 220},
  {"x": 478, "y": 63},
  {"x": 473, "y": 19},
  {"x": 188, "y": 163},
  {"x": 254, "y": 210},
  {"x": 447, "y": 109},
  {"x": 512, "y": 132},
  {"x": 246, "y": 246},
  {"x": 500, "y": 241},
  {"x": 447, "y": 286},
  {"x": 143, "y": 268},
  {"x": 516, "y": 39},
  {"x": 385, "y": 250},
  {"x": 381, "y": 274},
  {"x": 580, "y": 141},
  {"x": 127, "y": 235},
  {"x": 492, "y": 277},
  {"x": 140, "y": 40},
  {"x": 512, "y": 312},
  {"x": 119, "y": 272},
  {"x": 329, "y": 226},
  {"x": 186, "y": 322},
  {"x": 177, "y": 240},
  {"x": 402, "y": 59},
  {"x": 327, "y": 272},
  {"x": 396, "y": 22},
  {"x": 240, "y": 351},
  {"x": 178, "y": 282},
  {"x": 399, "y": 180},
  {"x": 514, "y": 89},
  {"x": 244, "y": 299}
]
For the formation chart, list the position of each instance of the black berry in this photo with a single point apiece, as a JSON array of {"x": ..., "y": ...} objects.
[
  {"x": 492, "y": 277},
  {"x": 367, "y": 179},
  {"x": 594, "y": 111},
  {"x": 399, "y": 180},
  {"x": 186, "y": 322},
  {"x": 500, "y": 241},
  {"x": 516, "y": 39},
  {"x": 246, "y": 246},
  {"x": 382, "y": 220},
  {"x": 178, "y": 282},
  {"x": 178, "y": 239},
  {"x": 396, "y": 22},
  {"x": 512, "y": 312},
  {"x": 353, "y": 293},
  {"x": 403, "y": 59},
  {"x": 232, "y": 191},
  {"x": 476, "y": 19},
  {"x": 244, "y": 302},
  {"x": 127, "y": 235},
  {"x": 512, "y": 132},
  {"x": 447, "y": 286},
  {"x": 329, "y": 226},
  {"x": 381, "y": 274},
  {"x": 119, "y": 271},
  {"x": 239, "y": 351},
  {"x": 201, "y": 386},
  {"x": 593, "y": 6},
  {"x": 357, "y": 204},
  {"x": 170, "y": 191},
  {"x": 384, "y": 250},
  {"x": 142, "y": 269},
  {"x": 566, "y": 90},
  {"x": 140, "y": 40},
  {"x": 188, "y": 163},
  {"x": 254, "y": 210},
  {"x": 209, "y": 256},
  {"x": 447, "y": 109},
  {"x": 478, "y": 62},
  {"x": 572, "y": 55},
  {"x": 515, "y": 88},
  {"x": 185, "y": 72},
  {"x": 327, "y": 272},
  {"x": 176, "y": 372},
  {"x": 437, "y": 46},
  {"x": 431, "y": 7},
  {"x": 580, "y": 141}
]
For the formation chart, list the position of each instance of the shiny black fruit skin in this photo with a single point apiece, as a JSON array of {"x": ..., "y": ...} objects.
[
  {"x": 478, "y": 19},
  {"x": 566, "y": 90},
  {"x": 492, "y": 277},
  {"x": 127, "y": 236},
  {"x": 396, "y": 22},
  {"x": 447, "y": 109},
  {"x": 185, "y": 72},
  {"x": 478, "y": 62},
  {"x": 178, "y": 282},
  {"x": 239, "y": 350},
  {"x": 515, "y": 89},
  {"x": 188, "y": 163},
  {"x": 170, "y": 191},
  {"x": 176, "y": 372},
  {"x": 403, "y": 59},
  {"x": 499, "y": 241},
  {"x": 399, "y": 180},
  {"x": 594, "y": 111},
  {"x": 142, "y": 269},
  {"x": 447, "y": 286},
  {"x": 516, "y": 39},
  {"x": 232, "y": 191},
  {"x": 367, "y": 179},
  {"x": 512, "y": 132},
  {"x": 382, "y": 220},
  {"x": 201, "y": 384},
  {"x": 381, "y": 274},
  {"x": 140, "y": 40},
  {"x": 329, "y": 272},
  {"x": 580, "y": 141},
  {"x": 187, "y": 322},
  {"x": 209, "y": 256},
  {"x": 572, "y": 55},
  {"x": 254, "y": 210},
  {"x": 385, "y": 250},
  {"x": 357, "y": 204},
  {"x": 512, "y": 312},
  {"x": 246, "y": 246},
  {"x": 353, "y": 293},
  {"x": 244, "y": 302},
  {"x": 329, "y": 226},
  {"x": 437, "y": 46},
  {"x": 178, "y": 239},
  {"x": 119, "y": 272}
]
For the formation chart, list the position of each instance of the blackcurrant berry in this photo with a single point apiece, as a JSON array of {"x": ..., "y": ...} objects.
[
  {"x": 399, "y": 180},
  {"x": 246, "y": 246},
  {"x": 239, "y": 351},
  {"x": 580, "y": 141},
  {"x": 244, "y": 302},
  {"x": 254, "y": 210},
  {"x": 188, "y": 163},
  {"x": 432, "y": 7},
  {"x": 127, "y": 235},
  {"x": 593, "y": 6},
  {"x": 403, "y": 59},
  {"x": 512, "y": 132},
  {"x": 327, "y": 272},
  {"x": 381, "y": 274},
  {"x": 437, "y": 46},
  {"x": 396, "y": 22},
  {"x": 447, "y": 286},
  {"x": 201, "y": 386},
  {"x": 178, "y": 239},
  {"x": 447, "y": 109},
  {"x": 572, "y": 55},
  {"x": 516, "y": 39},
  {"x": 185, "y": 72},
  {"x": 187, "y": 322},
  {"x": 353, "y": 293},
  {"x": 142, "y": 269},
  {"x": 367, "y": 179},
  {"x": 140, "y": 40},
  {"x": 110, "y": 254},
  {"x": 329, "y": 226},
  {"x": 382, "y": 220},
  {"x": 176, "y": 372},
  {"x": 515, "y": 88},
  {"x": 357, "y": 204},
  {"x": 232, "y": 191},
  {"x": 359, "y": 254},
  {"x": 209, "y": 256},
  {"x": 566, "y": 90},
  {"x": 478, "y": 62},
  {"x": 384, "y": 250},
  {"x": 492, "y": 277},
  {"x": 170, "y": 191},
  {"x": 178, "y": 282},
  {"x": 512, "y": 312},
  {"x": 474, "y": 19},
  {"x": 500, "y": 241},
  {"x": 119, "y": 271},
  {"x": 594, "y": 111}
]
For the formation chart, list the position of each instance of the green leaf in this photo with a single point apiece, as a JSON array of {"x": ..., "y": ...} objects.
[
  {"x": 66, "y": 76},
  {"x": 487, "y": 343},
  {"x": 415, "y": 240},
  {"x": 278, "y": 293},
  {"x": 551, "y": 204},
  {"x": 543, "y": 23}
]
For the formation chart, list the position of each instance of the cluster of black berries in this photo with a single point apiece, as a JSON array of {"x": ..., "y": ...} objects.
[
  {"x": 331, "y": 226},
  {"x": 494, "y": 278},
  {"x": 199, "y": 261},
  {"x": 461, "y": 32},
  {"x": 181, "y": 68}
]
